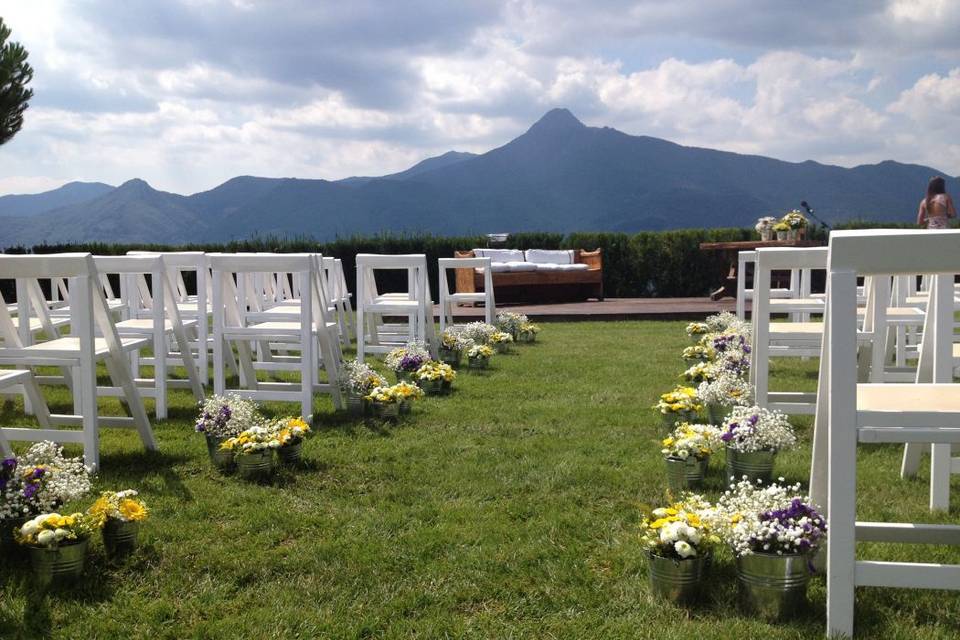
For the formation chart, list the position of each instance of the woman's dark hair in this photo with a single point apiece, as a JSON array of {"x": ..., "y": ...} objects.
[{"x": 936, "y": 186}]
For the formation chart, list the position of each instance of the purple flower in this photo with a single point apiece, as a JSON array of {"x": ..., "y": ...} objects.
[
  {"x": 411, "y": 362},
  {"x": 31, "y": 490}
]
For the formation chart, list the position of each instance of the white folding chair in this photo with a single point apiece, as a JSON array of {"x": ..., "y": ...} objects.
[
  {"x": 152, "y": 312},
  {"x": 93, "y": 338},
  {"x": 745, "y": 294},
  {"x": 235, "y": 323},
  {"x": 849, "y": 412},
  {"x": 374, "y": 335},
  {"x": 783, "y": 339},
  {"x": 448, "y": 301}
]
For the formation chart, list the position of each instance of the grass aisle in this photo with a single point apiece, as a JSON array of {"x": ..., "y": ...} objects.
[{"x": 508, "y": 510}]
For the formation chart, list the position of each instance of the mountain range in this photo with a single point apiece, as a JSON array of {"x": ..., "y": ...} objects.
[{"x": 560, "y": 175}]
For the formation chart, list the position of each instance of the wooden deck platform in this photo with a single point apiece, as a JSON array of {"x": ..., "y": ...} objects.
[{"x": 612, "y": 309}]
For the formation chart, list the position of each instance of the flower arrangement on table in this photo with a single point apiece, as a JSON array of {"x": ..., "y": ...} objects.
[
  {"x": 52, "y": 530},
  {"x": 510, "y": 322},
  {"x": 39, "y": 480},
  {"x": 794, "y": 220},
  {"x": 404, "y": 361},
  {"x": 679, "y": 405},
  {"x": 118, "y": 515},
  {"x": 528, "y": 332},
  {"x": 697, "y": 330},
  {"x": 436, "y": 377},
  {"x": 699, "y": 352},
  {"x": 699, "y": 372},
  {"x": 726, "y": 390},
  {"x": 753, "y": 436},
  {"x": 478, "y": 356},
  {"x": 501, "y": 341},
  {"x": 686, "y": 453},
  {"x": 764, "y": 226},
  {"x": 222, "y": 418}
]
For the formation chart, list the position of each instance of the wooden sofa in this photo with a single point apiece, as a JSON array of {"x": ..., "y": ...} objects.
[{"x": 539, "y": 285}]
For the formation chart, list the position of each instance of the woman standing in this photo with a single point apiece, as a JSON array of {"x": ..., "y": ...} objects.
[{"x": 937, "y": 206}]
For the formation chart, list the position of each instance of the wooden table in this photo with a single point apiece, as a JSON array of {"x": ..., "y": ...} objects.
[{"x": 729, "y": 250}]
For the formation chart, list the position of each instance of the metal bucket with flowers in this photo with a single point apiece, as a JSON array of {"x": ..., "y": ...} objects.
[
  {"x": 57, "y": 546},
  {"x": 686, "y": 453},
  {"x": 753, "y": 436},
  {"x": 119, "y": 515},
  {"x": 678, "y": 542}
]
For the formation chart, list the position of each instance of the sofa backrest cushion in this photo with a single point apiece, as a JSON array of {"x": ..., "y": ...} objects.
[
  {"x": 549, "y": 256},
  {"x": 500, "y": 255}
]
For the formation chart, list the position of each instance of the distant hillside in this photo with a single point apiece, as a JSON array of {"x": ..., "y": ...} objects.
[
  {"x": 558, "y": 176},
  {"x": 70, "y": 193}
]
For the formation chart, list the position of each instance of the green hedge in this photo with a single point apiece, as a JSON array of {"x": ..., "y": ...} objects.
[{"x": 649, "y": 264}]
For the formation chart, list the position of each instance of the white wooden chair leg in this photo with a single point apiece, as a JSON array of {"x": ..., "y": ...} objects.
[
  {"x": 940, "y": 467},
  {"x": 912, "y": 454}
]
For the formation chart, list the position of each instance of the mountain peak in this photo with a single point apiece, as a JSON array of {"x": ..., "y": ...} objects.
[{"x": 557, "y": 120}]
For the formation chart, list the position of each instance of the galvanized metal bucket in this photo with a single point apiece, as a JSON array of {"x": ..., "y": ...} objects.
[
  {"x": 386, "y": 410},
  {"x": 450, "y": 357},
  {"x": 119, "y": 537},
  {"x": 256, "y": 464},
  {"x": 677, "y": 581},
  {"x": 356, "y": 405},
  {"x": 685, "y": 474},
  {"x": 717, "y": 413},
  {"x": 292, "y": 453},
  {"x": 65, "y": 563},
  {"x": 526, "y": 336},
  {"x": 502, "y": 347},
  {"x": 756, "y": 465},
  {"x": 478, "y": 363},
  {"x": 220, "y": 458},
  {"x": 773, "y": 586},
  {"x": 404, "y": 376}
]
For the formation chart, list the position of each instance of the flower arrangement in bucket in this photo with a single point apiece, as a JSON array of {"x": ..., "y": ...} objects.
[
  {"x": 528, "y": 332},
  {"x": 699, "y": 353},
  {"x": 407, "y": 392},
  {"x": 478, "y": 356},
  {"x": 118, "y": 515},
  {"x": 478, "y": 332},
  {"x": 686, "y": 453},
  {"x": 725, "y": 391},
  {"x": 679, "y": 405},
  {"x": 732, "y": 351},
  {"x": 699, "y": 372},
  {"x": 774, "y": 531},
  {"x": 678, "y": 541},
  {"x": 510, "y": 322},
  {"x": 386, "y": 401},
  {"x": 753, "y": 436},
  {"x": 436, "y": 377},
  {"x": 696, "y": 330},
  {"x": 782, "y": 229},
  {"x": 452, "y": 345},
  {"x": 38, "y": 481},
  {"x": 356, "y": 381},
  {"x": 796, "y": 223},
  {"x": 404, "y": 361},
  {"x": 290, "y": 433},
  {"x": 253, "y": 449},
  {"x": 501, "y": 341},
  {"x": 222, "y": 418},
  {"x": 57, "y": 545},
  {"x": 764, "y": 227}
]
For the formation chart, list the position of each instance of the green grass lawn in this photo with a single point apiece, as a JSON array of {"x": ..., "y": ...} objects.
[{"x": 507, "y": 510}]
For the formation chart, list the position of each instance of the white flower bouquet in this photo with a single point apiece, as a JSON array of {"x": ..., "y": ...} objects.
[
  {"x": 678, "y": 532},
  {"x": 699, "y": 352},
  {"x": 724, "y": 390},
  {"x": 407, "y": 359},
  {"x": 479, "y": 333},
  {"x": 40, "y": 481},
  {"x": 358, "y": 378},
  {"x": 750, "y": 429},
  {"x": 511, "y": 322},
  {"x": 773, "y": 519},
  {"x": 255, "y": 439},
  {"x": 699, "y": 372},
  {"x": 226, "y": 416},
  {"x": 697, "y": 329},
  {"x": 50, "y": 530},
  {"x": 765, "y": 224},
  {"x": 453, "y": 339}
]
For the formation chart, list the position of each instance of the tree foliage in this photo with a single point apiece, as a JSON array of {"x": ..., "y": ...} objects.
[{"x": 15, "y": 74}]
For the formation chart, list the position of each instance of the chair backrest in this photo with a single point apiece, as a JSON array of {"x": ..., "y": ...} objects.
[{"x": 415, "y": 265}]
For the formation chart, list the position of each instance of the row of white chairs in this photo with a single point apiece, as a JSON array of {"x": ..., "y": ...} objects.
[{"x": 887, "y": 356}]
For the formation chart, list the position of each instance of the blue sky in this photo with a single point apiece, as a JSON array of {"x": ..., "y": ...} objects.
[{"x": 186, "y": 94}]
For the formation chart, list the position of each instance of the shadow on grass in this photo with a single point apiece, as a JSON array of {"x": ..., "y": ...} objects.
[{"x": 131, "y": 467}]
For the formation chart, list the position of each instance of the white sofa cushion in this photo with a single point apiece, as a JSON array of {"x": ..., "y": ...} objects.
[
  {"x": 577, "y": 266},
  {"x": 549, "y": 256},
  {"x": 497, "y": 267},
  {"x": 520, "y": 265},
  {"x": 500, "y": 255}
]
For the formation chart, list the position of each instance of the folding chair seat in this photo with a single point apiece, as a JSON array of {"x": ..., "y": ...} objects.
[
  {"x": 374, "y": 334},
  {"x": 238, "y": 321},
  {"x": 848, "y": 412},
  {"x": 448, "y": 300},
  {"x": 93, "y": 339}
]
